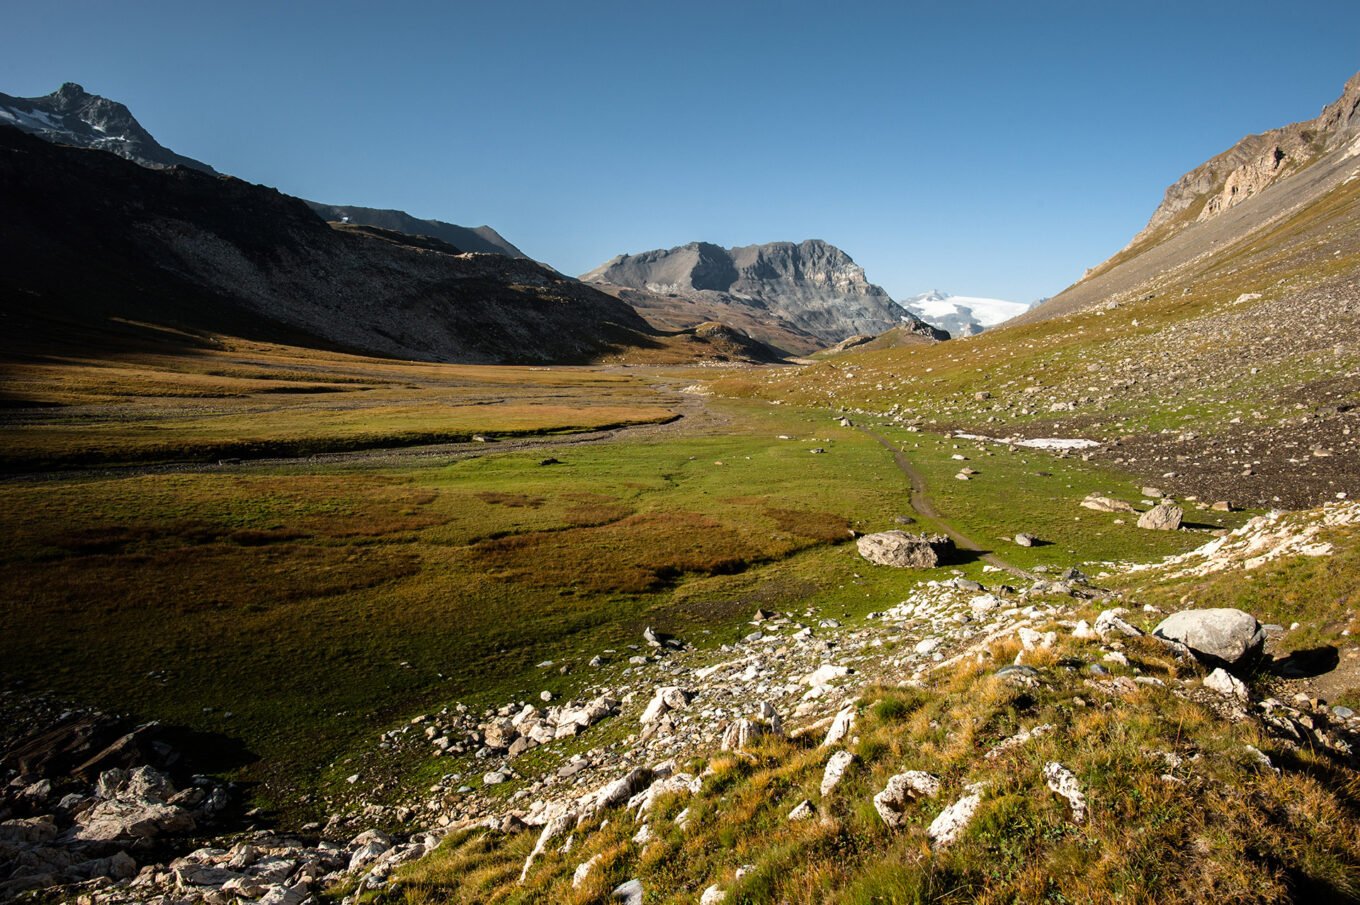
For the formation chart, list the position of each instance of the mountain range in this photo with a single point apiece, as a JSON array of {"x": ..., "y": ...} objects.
[{"x": 793, "y": 297}]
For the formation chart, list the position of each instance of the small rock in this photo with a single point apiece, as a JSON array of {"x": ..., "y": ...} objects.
[
  {"x": 902, "y": 789},
  {"x": 629, "y": 893},
  {"x": 1225, "y": 683},
  {"x": 1061, "y": 781},
  {"x": 836, "y": 766},
  {"x": 802, "y": 811}
]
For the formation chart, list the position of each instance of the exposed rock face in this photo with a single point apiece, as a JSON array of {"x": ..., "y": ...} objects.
[
  {"x": 72, "y": 116},
  {"x": 1162, "y": 517},
  {"x": 1257, "y": 161},
  {"x": 812, "y": 289},
  {"x": 1218, "y": 636},
  {"x": 1235, "y": 196},
  {"x": 902, "y": 549}
]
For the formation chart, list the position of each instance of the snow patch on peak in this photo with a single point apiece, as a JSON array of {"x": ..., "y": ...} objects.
[{"x": 962, "y": 315}]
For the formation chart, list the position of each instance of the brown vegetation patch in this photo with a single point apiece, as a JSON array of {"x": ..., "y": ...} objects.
[
  {"x": 512, "y": 500},
  {"x": 824, "y": 527},
  {"x": 93, "y": 589},
  {"x": 634, "y": 555}
]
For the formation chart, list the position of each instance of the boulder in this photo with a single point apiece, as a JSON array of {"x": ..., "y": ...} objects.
[
  {"x": 1162, "y": 517},
  {"x": 903, "y": 550},
  {"x": 1219, "y": 637},
  {"x": 128, "y": 821},
  {"x": 1106, "y": 504},
  {"x": 902, "y": 789},
  {"x": 1025, "y": 539}
]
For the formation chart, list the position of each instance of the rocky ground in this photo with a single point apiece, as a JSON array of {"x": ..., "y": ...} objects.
[{"x": 108, "y": 813}]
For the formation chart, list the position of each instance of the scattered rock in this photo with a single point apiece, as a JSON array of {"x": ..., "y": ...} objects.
[
  {"x": 1225, "y": 683},
  {"x": 1106, "y": 504},
  {"x": 629, "y": 893},
  {"x": 953, "y": 820},
  {"x": 836, "y": 766},
  {"x": 840, "y": 727},
  {"x": 1061, "y": 781}
]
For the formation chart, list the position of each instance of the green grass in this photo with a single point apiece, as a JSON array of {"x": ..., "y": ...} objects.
[{"x": 320, "y": 605}]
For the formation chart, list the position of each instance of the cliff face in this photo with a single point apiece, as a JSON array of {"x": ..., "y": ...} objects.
[
  {"x": 104, "y": 240},
  {"x": 1276, "y": 199},
  {"x": 798, "y": 296},
  {"x": 1257, "y": 162}
]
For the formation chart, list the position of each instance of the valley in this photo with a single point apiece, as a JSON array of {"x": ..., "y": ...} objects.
[{"x": 353, "y": 556}]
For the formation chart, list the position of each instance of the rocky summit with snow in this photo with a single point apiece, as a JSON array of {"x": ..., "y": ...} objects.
[
  {"x": 72, "y": 116},
  {"x": 962, "y": 315}
]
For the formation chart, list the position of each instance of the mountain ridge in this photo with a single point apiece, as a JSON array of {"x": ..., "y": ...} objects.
[{"x": 812, "y": 293}]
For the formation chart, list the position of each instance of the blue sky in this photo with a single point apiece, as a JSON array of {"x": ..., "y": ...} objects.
[{"x": 980, "y": 148}]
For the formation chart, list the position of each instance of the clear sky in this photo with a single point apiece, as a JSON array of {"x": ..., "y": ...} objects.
[{"x": 982, "y": 148}]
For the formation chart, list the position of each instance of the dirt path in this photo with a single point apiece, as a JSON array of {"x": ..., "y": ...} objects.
[{"x": 921, "y": 502}]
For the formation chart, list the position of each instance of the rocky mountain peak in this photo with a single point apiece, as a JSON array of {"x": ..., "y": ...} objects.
[
  {"x": 811, "y": 288},
  {"x": 72, "y": 116}
]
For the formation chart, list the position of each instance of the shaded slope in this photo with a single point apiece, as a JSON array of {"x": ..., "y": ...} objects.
[{"x": 101, "y": 238}]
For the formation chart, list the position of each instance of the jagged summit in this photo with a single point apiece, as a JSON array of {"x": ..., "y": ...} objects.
[
  {"x": 810, "y": 294},
  {"x": 72, "y": 116}
]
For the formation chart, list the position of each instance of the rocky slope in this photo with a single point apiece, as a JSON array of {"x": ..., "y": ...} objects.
[
  {"x": 72, "y": 116},
  {"x": 103, "y": 240},
  {"x": 799, "y": 297},
  {"x": 1252, "y": 187},
  {"x": 480, "y": 239}
]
